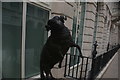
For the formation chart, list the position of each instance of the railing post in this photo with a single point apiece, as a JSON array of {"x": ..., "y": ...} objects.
[
  {"x": 94, "y": 50},
  {"x": 91, "y": 76},
  {"x": 65, "y": 65}
]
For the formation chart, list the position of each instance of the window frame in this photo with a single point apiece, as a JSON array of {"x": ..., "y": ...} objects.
[
  {"x": 24, "y": 16},
  {"x": 79, "y": 30}
]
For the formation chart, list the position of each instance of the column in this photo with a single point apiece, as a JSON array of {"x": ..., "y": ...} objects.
[
  {"x": 99, "y": 34},
  {"x": 89, "y": 28}
]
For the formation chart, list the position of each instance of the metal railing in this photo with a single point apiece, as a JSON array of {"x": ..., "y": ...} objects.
[
  {"x": 80, "y": 68},
  {"x": 76, "y": 70},
  {"x": 99, "y": 62}
]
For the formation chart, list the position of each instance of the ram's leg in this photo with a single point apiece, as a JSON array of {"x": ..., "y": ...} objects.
[
  {"x": 42, "y": 73},
  {"x": 77, "y": 46},
  {"x": 60, "y": 63},
  {"x": 47, "y": 74},
  {"x": 63, "y": 53},
  {"x": 51, "y": 74}
]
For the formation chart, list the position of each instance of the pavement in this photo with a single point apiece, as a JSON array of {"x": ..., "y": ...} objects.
[{"x": 112, "y": 72}]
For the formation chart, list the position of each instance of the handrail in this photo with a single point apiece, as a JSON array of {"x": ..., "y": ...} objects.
[
  {"x": 75, "y": 65},
  {"x": 79, "y": 56},
  {"x": 108, "y": 51},
  {"x": 99, "y": 62}
]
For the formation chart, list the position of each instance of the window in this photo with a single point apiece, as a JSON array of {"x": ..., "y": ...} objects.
[
  {"x": 11, "y": 39},
  {"x": 82, "y": 19},
  {"x": 35, "y": 38},
  {"x": 12, "y": 26},
  {"x": 79, "y": 31}
]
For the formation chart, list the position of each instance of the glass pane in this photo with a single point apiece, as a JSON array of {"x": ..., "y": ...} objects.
[
  {"x": 11, "y": 39},
  {"x": 80, "y": 33},
  {"x": 35, "y": 38}
]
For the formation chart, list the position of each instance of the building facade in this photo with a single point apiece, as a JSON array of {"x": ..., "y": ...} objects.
[{"x": 23, "y": 32}]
